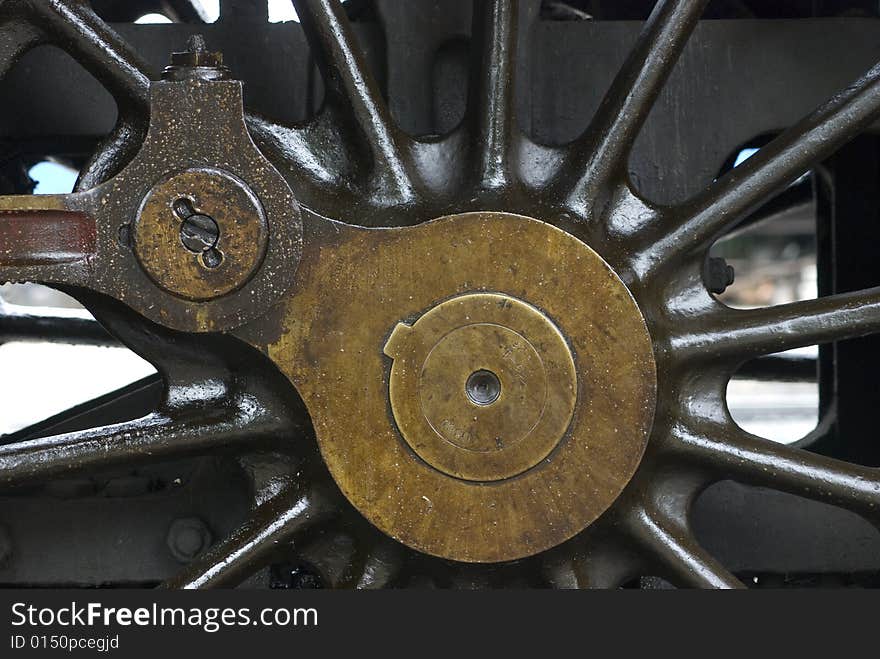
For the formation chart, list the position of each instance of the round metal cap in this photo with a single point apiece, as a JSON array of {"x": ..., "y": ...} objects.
[{"x": 483, "y": 386}]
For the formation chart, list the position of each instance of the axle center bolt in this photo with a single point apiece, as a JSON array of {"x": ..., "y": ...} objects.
[{"x": 483, "y": 387}]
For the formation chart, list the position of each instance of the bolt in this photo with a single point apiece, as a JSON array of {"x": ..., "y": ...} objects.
[
  {"x": 187, "y": 538},
  {"x": 196, "y": 62},
  {"x": 199, "y": 233},
  {"x": 717, "y": 274}
]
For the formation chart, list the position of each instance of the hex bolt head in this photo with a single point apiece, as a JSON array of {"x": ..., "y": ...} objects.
[{"x": 187, "y": 538}]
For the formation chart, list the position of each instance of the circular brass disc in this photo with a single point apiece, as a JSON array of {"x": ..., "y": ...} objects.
[
  {"x": 242, "y": 241},
  {"x": 469, "y": 287},
  {"x": 505, "y": 338}
]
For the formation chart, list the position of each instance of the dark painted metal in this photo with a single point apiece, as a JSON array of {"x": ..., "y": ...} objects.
[
  {"x": 494, "y": 132},
  {"x": 704, "y": 218},
  {"x": 739, "y": 334},
  {"x": 599, "y": 159},
  {"x": 274, "y": 522},
  {"x": 75, "y": 27},
  {"x": 762, "y": 531},
  {"x": 153, "y": 438},
  {"x": 561, "y": 98},
  {"x": 113, "y": 525},
  {"x": 353, "y": 162},
  {"x": 675, "y": 554},
  {"x": 19, "y": 323}
]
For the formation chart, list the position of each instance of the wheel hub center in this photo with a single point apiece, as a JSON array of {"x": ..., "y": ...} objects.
[{"x": 482, "y": 387}]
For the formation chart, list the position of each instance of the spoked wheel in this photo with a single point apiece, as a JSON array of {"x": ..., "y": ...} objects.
[{"x": 469, "y": 360}]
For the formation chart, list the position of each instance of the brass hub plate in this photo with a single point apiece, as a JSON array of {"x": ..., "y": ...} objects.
[
  {"x": 517, "y": 352},
  {"x": 561, "y": 429}
]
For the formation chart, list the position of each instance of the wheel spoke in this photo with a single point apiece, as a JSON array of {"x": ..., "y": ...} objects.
[
  {"x": 676, "y": 554},
  {"x": 732, "y": 453},
  {"x": 16, "y": 38},
  {"x": 492, "y": 99},
  {"x": 273, "y": 523},
  {"x": 381, "y": 565},
  {"x": 75, "y": 27},
  {"x": 346, "y": 76},
  {"x": 602, "y": 153},
  {"x": 565, "y": 574},
  {"x": 291, "y": 149},
  {"x": 150, "y": 439},
  {"x": 739, "y": 334},
  {"x": 722, "y": 205}
]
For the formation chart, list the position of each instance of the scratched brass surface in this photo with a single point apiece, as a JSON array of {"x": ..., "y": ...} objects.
[
  {"x": 469, "y": 334},
  {"x": 243, "y": 234},
  {"x": 354, "y": 286}
]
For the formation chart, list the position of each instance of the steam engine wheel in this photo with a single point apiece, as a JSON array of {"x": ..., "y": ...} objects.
[{"x": 467, "y": 359}]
